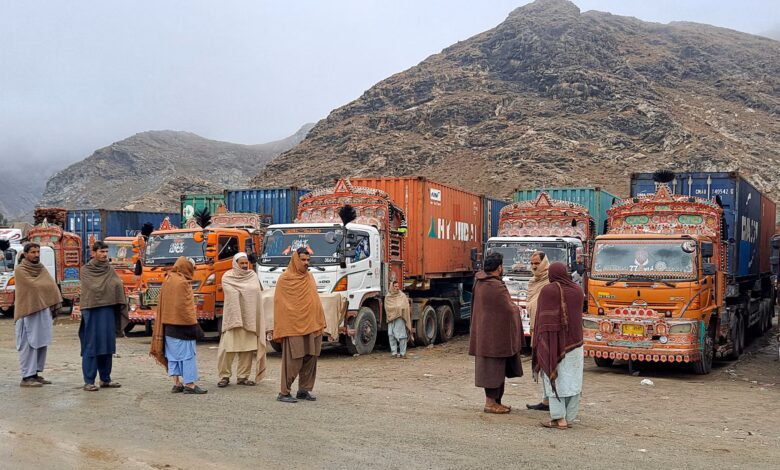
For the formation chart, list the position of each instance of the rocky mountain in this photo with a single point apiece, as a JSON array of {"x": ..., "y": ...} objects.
[
  {"x": 150, "y": 170},
  {"x": 20, "y": 190},
  {"x": 554, "y": 96}
]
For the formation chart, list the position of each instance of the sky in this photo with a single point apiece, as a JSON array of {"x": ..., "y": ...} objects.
[{"x": 77, "y": 75}]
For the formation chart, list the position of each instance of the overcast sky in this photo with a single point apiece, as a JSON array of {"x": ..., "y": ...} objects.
[{"x": 76, "y": 75}]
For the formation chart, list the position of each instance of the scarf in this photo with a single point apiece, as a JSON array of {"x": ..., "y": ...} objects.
[
  {"x": 496, "y": 329},
  {"x": 397, "y": 306},
  {"x": 35, "y": 289},
  {"x": 102, "y": 287},
  {"x": 297, "y": 307},
  {"x": 535, "y": 285},
  {"x": 176, "y": 306},
  {"x": 242, "y": 298},
  {"x": 558, "y": 323}
]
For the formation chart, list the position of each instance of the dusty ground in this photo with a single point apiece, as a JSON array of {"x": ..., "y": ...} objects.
[{"x": 377, "y": 412}]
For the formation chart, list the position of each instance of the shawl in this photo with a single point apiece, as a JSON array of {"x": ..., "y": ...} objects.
[
  {"x": 397, "y": 306},
  {"x": 242, "y": 298},
  {"x": 101, "y": 287},
  {"x": 297, "y": 307},
  {"x": 496, "y": 329},
  {"x": 535, "y": 285},
  {"x": 176, "y": 306},
  {"x": 558, "y": 323},
  {"x": 35, "y": 289}
]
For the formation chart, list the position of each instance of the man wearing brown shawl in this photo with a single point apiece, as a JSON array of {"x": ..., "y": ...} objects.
[
  {"x": 176, "y": 329},
  {"x": 243, "y": 325},
  {"x": 557, "y": 346},
  {"x": 399, "y": 321},
  {"x": 539, "y": 266},
  {"x": 299, "y": 321},
  {"x": 103, "y": 317},
  {"x": 37, "y": 295},
  {"x": 496, "y": 334}
]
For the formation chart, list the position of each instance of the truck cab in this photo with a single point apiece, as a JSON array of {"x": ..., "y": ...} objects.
[
  {"x": 122, "y": 257},
  {"x": 11, "y": 258}
]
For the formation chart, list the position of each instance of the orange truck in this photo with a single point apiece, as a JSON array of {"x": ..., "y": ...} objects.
[
  {"x": 211, "y": 248},
  {"x": 681, "y": 278},
  {"x": 122, "y": 256}
]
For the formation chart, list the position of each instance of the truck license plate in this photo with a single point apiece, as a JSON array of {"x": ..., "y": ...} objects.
[{"x": 633, "y": 330}]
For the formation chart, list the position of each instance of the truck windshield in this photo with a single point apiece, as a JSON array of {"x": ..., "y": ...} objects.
[
  {"x": 7, "y": 263},
  {"x": 323, "y": 245},
  {"x": 166, "y": 248},
  {"x": 120, "y": 252},
  {"x": 517, "y": 255},
  {"x": 665, "y": 259}
]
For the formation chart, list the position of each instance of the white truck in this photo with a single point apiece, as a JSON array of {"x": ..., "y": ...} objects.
[{"x": 11, "y": 257}]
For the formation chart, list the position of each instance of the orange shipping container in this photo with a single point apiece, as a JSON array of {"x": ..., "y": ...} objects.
[{"x": 444, "y": 224}]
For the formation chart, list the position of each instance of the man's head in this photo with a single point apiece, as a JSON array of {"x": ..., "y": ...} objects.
[
  {"x": 393, "y": 285},
  {"x": 100, "y": 251},
  {"x": 243, "y": 263},
  {"x": 32, "y": 252},
  {"x": 536, "y": 260},
  {"x": 494, "y": 264},
  {"x": 304, "y": 256}
]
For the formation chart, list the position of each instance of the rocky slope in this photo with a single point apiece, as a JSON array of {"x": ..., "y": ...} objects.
[
  {"x": 150, "y": 170},
  {"x": 553, "y": 96}
]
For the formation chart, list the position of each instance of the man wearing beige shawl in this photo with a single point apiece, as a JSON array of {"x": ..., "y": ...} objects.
[
  {"x": 37, "y": 295},
  {"x": 399, "y": 322},
  {"x": 243, "y": 325},
  {"x": 540, "y": 266}
]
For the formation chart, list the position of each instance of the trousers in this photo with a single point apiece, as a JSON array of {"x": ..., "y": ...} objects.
[
  {"x": 225, "y": 363},
  {"x": 91, "y": 365}
]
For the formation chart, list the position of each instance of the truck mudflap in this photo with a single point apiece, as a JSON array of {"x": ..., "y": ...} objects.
[
  {"x": 6, "y": 299},
  {"x": 649, "y": 340}
]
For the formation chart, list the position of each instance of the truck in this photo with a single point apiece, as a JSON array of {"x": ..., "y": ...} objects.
[
  {"x": 561, "y": 229},
  {"x": 211, "y": 248},
  {"x": 98, "y": 224},
  {"x": 11, "y": 257},
  {"x": 595, "y": 199},
  {"x": 67, "y": 249},
  {"x": 276, "y": 205},
  {"x": 192, "y": 203},
  {"x": 424, "y": 234},
  {"x": 683, "y": 275}
]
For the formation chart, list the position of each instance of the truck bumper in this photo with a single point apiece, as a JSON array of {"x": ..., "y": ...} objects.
[
  {"x": 657, "y": 344},
  {"x": 204, "y": 310}
]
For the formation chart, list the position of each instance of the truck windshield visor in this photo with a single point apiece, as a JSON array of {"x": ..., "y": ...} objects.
[
  {"x": 663, "y": 259},
  {"x": 166, "y": 248},
  {"x": 322, "y": 244},
  {"x": 517, "y": 255},
  {"x": 120, "y": 253}
]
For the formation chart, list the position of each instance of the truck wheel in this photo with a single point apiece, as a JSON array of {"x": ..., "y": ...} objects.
[
  {"x": 8, "y": 313},
  {"x": 148, "y": 328},
  {"x": 427, "y": 327},
  {"x": 770, "y": 313},
  {"x": 446, "y": 321},
  {"x": 276, "y": 346},
  {"x": 704, "y": 366},
  {"x": 604, "y": 361},
  {"x": 365, "y": 327},
  {"x": 738, "y": 340}
]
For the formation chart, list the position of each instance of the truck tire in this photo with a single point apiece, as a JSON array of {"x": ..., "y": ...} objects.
[
  {"x": 427, "y": 327},
  {"x": 8, "y": 313},
  {"x": 738, "y": 339},
  {"x": 604, "y": 361},
  {"x": 366, "y": 332},
  {"x": 770, "y": 313},
  {"x": 276, "y": 346},
  {"x": 704, "y": 366},
  {"x": 446, "y": 320}
]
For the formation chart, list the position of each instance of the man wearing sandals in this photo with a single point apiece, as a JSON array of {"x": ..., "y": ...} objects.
[
  {"x": 103, "y": 317},
  {"x": 496, "y": 337},
  {"x": 243, "y": 328}
]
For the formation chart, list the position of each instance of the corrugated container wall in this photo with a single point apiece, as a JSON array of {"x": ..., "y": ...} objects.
[
  {"x": 596, "y": 200},
  {"x": 490, "y": 215},
  {"x": 280, "y": 204},
  {"x": 194, "y": 202},
  {"x": 97, "y": 224},
  {"x": 742, "y": 207},
  {"x": 444, "y": 224}
]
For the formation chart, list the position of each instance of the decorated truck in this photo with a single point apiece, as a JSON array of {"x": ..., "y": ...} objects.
[
  {"x": 11, "y": 253},
  {"x": 67, "y": 259},
  {"x": 561, "y": 229},
  {"x": 681, "y": 278},
  {"x": 211, "y": 248},
  {"x": 423, "y": 234}
]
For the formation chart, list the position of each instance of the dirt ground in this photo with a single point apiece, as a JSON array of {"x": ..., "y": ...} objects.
[{"x": 377, "y": 412}]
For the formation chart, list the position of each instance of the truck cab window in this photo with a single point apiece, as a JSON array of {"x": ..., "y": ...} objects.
[
  {"x": 227, "y": 247},
  {"x": 361, "y": 245}
]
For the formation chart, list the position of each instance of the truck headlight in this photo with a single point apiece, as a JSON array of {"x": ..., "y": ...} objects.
[
  {"x": 589, "y": 324},
  {"x": 210, "y": 280},
  {"x": 681, "y": 328}
]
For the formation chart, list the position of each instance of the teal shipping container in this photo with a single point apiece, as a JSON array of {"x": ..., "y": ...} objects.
[
  {"x": 195, "y": 202},
  {"x": 595, "y": 199},
  {"x": 280, "y": 205}
]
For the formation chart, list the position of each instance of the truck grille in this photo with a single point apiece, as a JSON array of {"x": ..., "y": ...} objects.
[{"x": 152, "y": 294}]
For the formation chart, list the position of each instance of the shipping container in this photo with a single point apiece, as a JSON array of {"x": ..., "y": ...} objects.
[
  {"x": 596, "y": 200},
  {"x": 280, "y": 204},
  {"x": 97, "y": 224},
  {"x": 444, "y": 224},
  {"x": 746, "y": 213},
  {"x": 491, "y": 210},
  {"x": 195, "y": 202}
]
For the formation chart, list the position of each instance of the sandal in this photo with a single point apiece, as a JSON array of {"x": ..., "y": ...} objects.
[
  {"x": 91, "y": 388},
  {"x": 553, "y": 425},
  {"x": 246, "y": 382},
  {"x": 224, "y": 382},
  {"x": 111, "y": 384}
]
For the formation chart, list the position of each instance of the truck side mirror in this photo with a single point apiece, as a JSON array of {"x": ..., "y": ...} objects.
[
  {"x": 474, "y": 255},
  {"x": 251, "y": 258},
  {"x": 709, "y": 269},
  {"x": 138, "y": 268},
  {"x": 707, "y": 250}
]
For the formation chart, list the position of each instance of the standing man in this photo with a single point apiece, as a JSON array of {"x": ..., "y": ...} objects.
[
  {"x": 540, "y": 265},
  {"x": 496, "y": 334},
  {"x": 243, "y": 328},
  {"x": 103, "y": 317},
  {"x": 299, "y": 321},
  {"x": 37, "y": 295},
  {"x": 399, "y": 321}
]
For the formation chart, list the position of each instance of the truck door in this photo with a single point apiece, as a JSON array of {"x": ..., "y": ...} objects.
[{"x": 365, "y": 266}]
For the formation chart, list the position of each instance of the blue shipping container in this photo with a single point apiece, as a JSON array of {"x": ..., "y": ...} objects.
[
  {"x": 281, "y": 204},
  {"x": 97, "y": 224},
  {"x": 490, "y": 215},
  {"x": 596, "y": 200},
  {"x": 741, "y": 205}
]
